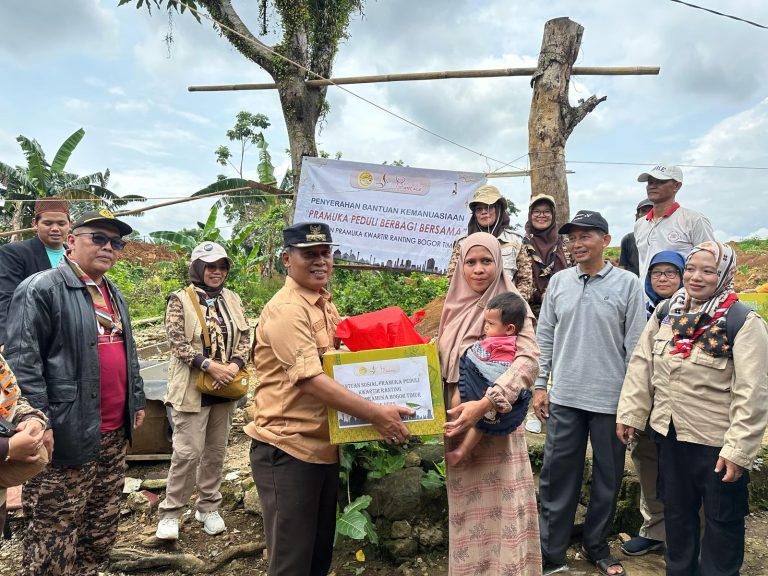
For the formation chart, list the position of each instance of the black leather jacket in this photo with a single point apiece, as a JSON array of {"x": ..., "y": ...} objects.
[{"x": 52, "y": 348}]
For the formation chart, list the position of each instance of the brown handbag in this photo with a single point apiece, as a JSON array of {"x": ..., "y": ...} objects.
[{"x": 204, "y": 382}]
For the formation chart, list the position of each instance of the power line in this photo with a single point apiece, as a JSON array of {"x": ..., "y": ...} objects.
[
  {"x": 108, "y": 200},
  {"x": 718, "y": 166},
  {"x": 331, "y": 82},
  {"x": 719, "y": 13}
]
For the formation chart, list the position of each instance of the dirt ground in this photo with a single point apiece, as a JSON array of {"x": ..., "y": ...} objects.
[
  {"x": 144, "y": 253},
  {"x": 136, "y": 530}
]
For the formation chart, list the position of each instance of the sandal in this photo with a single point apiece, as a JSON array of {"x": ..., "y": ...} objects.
[{"x": 603, "y": 564}]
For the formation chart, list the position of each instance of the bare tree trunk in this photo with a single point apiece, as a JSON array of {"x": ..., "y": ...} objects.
[
  {"x": 302, "y": 107},
  {"x": 17, "y": 220},
  {"x": 552, "y": 118}
]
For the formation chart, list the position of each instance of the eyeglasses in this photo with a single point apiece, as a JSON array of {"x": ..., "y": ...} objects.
[
  {"x": 541, "y": 213},
  {"x": 101, "y": 239},
  {"x": 483, "y": 208},
  {"x": 671, "y": 274}
]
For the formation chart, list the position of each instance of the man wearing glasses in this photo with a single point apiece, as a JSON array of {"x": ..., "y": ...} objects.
[
  {"x": 70, "y": 345},
  {"x": 668, "y": 226}
]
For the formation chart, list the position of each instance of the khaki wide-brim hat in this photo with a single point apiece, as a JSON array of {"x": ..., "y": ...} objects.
[{"x": 487, "y": 195}]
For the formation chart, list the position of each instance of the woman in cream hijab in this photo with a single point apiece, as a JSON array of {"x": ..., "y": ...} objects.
[{"x": 491, "y": 492}]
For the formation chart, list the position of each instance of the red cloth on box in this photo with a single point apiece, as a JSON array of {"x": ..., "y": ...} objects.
[{"x": 387, "y": 328}]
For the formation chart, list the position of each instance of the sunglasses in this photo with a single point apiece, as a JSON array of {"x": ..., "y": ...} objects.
[{"x": 101, "y": 240}]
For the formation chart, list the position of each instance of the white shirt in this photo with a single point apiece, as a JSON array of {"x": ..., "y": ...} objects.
[{"x": 679, "y": 230}]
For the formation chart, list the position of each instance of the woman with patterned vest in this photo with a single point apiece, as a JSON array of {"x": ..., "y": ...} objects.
[
  {"x": 201, "y": 421},
  {"x": 490, "y": 213},
  {"x": 545, "y": 247}
]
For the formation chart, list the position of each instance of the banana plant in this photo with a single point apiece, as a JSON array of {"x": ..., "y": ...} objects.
[{"x": 40, "y": 179}]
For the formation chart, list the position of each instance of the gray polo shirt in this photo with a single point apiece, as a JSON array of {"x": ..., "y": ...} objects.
[
  {"x": 680, "y": 231},
  {"x": 587, "y": 330}
]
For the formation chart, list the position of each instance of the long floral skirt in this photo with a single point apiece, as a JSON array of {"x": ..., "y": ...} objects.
[{"x": 494, "y": 526}]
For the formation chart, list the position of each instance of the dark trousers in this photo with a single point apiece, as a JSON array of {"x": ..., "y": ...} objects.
[
  {"x": 298, "y": 501},
  {"x": 687, "y": 479},
  {"x": 561, "y": 476},
  {"x": 72, "y": 513}
]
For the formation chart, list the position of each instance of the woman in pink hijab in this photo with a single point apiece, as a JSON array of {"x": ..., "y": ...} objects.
[{"x": 493, "y": 520}]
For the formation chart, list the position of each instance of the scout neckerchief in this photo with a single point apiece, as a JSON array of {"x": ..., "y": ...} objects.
[
  {"x": 111, "y": 323},
  {"x": 213, "y": 322},
  {"x": 9, "y": 390},
  {"x": 705, "y": 328}
]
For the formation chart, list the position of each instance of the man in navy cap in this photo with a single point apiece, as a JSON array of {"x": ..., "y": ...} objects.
[
  {"x": 75, "y": 360},
  {"x": 590, "y": 321},
  {"x": 294, "y": 465}
]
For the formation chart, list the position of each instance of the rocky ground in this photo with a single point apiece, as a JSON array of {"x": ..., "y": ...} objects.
[{"x": 138, "y": 523}]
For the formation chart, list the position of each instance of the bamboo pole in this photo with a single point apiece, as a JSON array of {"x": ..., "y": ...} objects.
[
  {"x": 447, "y": 74},
  {"x": 514, "y": 174},
  {"x": 251, "y": 185}
]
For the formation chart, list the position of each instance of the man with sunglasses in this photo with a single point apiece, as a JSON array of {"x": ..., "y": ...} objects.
[
  {"x": 72, "y": 350},
  {"x": 19, "y": 260},
  {"x": 668, "y": 226}
]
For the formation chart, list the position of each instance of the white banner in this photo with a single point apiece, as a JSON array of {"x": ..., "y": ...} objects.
[{"x": 388, "y": 216}]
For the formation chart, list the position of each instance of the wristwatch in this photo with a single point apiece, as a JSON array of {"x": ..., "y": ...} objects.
[{"x": 204, "y": 365}]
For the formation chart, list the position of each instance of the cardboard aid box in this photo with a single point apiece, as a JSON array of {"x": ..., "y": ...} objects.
[
  {"x": 406, "y": 376},
  {"x": 758, "y": 301}
]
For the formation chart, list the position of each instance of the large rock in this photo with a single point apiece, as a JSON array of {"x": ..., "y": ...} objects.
[
  {"x": 396, "y": 496},
  {"x": 154, "y": 484},
  {"x": 231, "y": 494},
  {"x": 251, "y": 501},
  {"x": 142, "y": 502},
  {"x": 430, "y": 455},
  {"x": 401, "y": 529},
  {"x": 431, "y": 536},
  {"x": 402, "y": 548},
  {"x": 628, "y": 518}
]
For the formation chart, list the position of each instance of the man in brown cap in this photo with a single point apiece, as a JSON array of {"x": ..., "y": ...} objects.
[
  {"x": 75, "y": 360},
  {"x": 19, "y": 260}
]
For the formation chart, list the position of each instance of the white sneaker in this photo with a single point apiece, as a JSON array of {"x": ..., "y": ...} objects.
[
  {"x": 533, "y": 425},
  {"x": 168, "y": 529},
  {"x": 213, "y": 523}
]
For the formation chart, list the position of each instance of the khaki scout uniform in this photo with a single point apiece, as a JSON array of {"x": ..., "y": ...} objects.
[{"x": 294, "y": 465}]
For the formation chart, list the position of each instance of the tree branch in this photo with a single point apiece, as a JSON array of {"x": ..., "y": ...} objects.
[
  {"x": 253, "y": 48},
  {"x": 130, "y": 560},
  {"x": 573, "y": 115}
]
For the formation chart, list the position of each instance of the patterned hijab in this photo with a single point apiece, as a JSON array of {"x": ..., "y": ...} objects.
[
  {"x": 461, "y": 323},
  {"x": 705, "y": 328}
]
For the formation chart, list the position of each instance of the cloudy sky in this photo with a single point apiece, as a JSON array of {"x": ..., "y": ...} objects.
[{"x": 90, "y": 64}]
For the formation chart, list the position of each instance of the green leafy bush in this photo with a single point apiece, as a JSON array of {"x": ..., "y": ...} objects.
[
  {"x": 355, "y": 522},
  {"x": 357, "y": 292},
  {"x": 435, "y": 479},
  {"x": 145, "y": 288}
]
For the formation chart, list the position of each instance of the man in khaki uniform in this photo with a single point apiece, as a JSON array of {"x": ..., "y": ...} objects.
[{"x": 294, "y": 465}]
